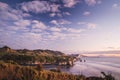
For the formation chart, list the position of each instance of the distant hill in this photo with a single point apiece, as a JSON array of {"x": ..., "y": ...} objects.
[{"x": 7, "y": 49}]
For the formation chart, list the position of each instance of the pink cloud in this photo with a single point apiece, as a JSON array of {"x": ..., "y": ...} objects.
[
  {"x": 93, "y": 2},
  {"x": 22, "y": 23},
  {"x": 60, "y": 22},
  {"x": 54, "y": 22},
  {"x": 88, "y": 24},
  {"x": 70, "y": 3},
  {"x": 39, "y": 7},
  {"x": 86, "y": 13},
  {"x": 38, "y": 25},
  {"x": 91, "y": 25},
  {"x": 67, "y": 13},
  {"x": 75, "y": 30},
  {"x": 3, "y": 5},
  {"x": 52, "y": 14},
  {"x": 55, "y": 29}
]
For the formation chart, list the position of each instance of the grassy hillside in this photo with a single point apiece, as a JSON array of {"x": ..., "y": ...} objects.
[
  {"x": 11, "y": 71},
  {"x": 25, "y": 56},
  {"x": 16, "y": 72}
]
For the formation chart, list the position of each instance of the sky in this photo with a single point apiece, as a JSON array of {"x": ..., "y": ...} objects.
[{"x": 64, "y": 25}]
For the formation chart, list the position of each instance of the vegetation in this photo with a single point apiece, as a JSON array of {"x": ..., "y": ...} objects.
[
  {"x": 25, "y": 56},
  {"x": 18, "y": 58},
  {"x": 9, "y": 71},
  {"x": 11, "y": 68}
]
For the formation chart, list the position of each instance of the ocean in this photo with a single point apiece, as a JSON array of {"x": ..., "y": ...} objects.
[{"x": 93, "y": 66}]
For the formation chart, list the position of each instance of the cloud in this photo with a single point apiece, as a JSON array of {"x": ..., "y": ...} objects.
[
  {"x": 91, "y": 25},
  {"x": 52, "y": 14},
  {"x": 66, "y": 13},
  {"x": 116, "y": 6},
  {"x": 6, "y": 12},
  {"x": 30, "y": 35},
  {"x": 81, "y": 23},
  {"x": 93, "y": 2},
  {"x": 57, "y": 35},
  {"x": 28, "y": 39},
  {"x": 37, "y": 30},
  {"x": 27, "y": 32},
  {"x": 39, "y": 7},
  {"x": 38, "y": 25},
  {"x": 26, "y": 15},
  {"x": 12, "y": 36},
  {"x": 70, "y": 3},
  {"x": 3, "y": 6},
  {"x": 59, "y": 14},
  {"x": 60, "y": 22},
  {"x": 22, "y": 23},
  {"x": 63, "y": 21},
  {"x": 55, "y": 29},
  {"x": 63, "y": 33},
  {"x": 88, "y": 25},
  {"x": 71, "y": 30},
  {"x": 12, "y": 19},
  {"x": 55, "y": 8},
  {"x": 86, "y": 13},
  {"x": 55, "y": 22},
  {"x": 9, "y": 13},
  {"x": 25, "y": 25},
  {"x": 113, "y": 48},
  {"x": 55, "y": 14}
]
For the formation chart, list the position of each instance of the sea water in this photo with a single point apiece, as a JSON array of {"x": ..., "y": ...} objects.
[{"x": 93, "y": 66}]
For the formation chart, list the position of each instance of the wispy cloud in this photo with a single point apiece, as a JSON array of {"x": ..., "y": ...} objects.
[
  {"x": 38, "y": 25},
  {"x": 8, "y": 13},
  {"x": 116, "y": 6},
  {"x": 93, "y": 2},
  {"x": 91, "y": 25},
  {"x": 52, "y": 14},
  {"x": 66, "y": 13},
  {"x": 112, "y": 48},
  {"x": 70, "y": 3},
  {"x": 28, "y": 31},
  {"x": 22, "y": 23},
  {"x": 55, "y": 22},
  {"x": 60, "y": 22},
  {"x": 86, "y": 13},
  {"x": 88, "y": 25},
  {"x": 58, "y": 14},
  {"x": 3, "y": 6},
  {"x": 63, "y": 21},
  {"x": 55, "y": 29},
  {"x": 71, "y": 30}
]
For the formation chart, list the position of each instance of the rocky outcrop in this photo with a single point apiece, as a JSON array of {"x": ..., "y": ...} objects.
[{"x": 6, "y": 49}]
